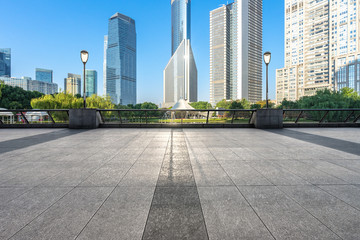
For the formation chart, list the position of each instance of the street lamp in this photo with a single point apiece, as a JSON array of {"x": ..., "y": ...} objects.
[
  {"x": 267, "y": 59},
  {"x": 84, "y": 58}
]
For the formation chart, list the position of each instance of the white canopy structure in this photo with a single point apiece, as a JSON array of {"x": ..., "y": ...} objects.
[
  {"x": 36, "y": 116},
  {"x": 182, "y": 105},
  {"x": 7, "y": 117}
]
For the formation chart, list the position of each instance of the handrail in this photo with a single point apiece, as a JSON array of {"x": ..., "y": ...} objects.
[
  {"x": 325, "y": 109},
  {"x": 203, "y": 117},
  {"x": 179, "y": 110},
  {"x": 35, "y": 110},
  {"x": 23, "y": 112}
]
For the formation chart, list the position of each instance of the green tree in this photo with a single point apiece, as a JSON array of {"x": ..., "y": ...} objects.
[
  {"x": 223, "y": 104},
  {"x": 325, "y": 99},
  {"x": 149, "y": 105},
  {"x": 2, "y": 85},
  {"x": 16, "y": 97},
  {"x": 201, "y": 105},
  {"x": 262, "y": 104},
  {"x": 68, "y": 101}
]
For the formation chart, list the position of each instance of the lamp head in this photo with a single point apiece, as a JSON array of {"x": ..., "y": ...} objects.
[
  {"x": 84, "y": 56},
  {"x": 267, "y": 57}
]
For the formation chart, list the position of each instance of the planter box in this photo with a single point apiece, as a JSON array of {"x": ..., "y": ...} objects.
[
  {"x": 268, "y": 119},
  {"x": 83, "y": 119}
]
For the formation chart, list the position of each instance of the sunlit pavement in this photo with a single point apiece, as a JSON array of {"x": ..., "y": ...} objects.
[{"x": 180, "y": 184}]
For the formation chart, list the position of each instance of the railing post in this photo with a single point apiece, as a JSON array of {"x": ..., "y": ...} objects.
[
  {"x": 51, "y": 118},
  {"x": 356, "y": 119},
  {"x": 146, "y": 117},
  {"x": 298, "y": 118},
  {"x": 348, "y": 118},
  {"x": 233, "y": 116},
  {"x": 102, "y": 117},
  {"x": 252, "y": 114},
  {"x": 323, "y": 118},
  {"x": 26, "y": 121},
  {"x": 119, "y": 113},
  {"x": 207, "y": 118}
]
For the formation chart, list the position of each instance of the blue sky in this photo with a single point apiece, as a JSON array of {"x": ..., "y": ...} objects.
[{"x": 51, "y": 33}]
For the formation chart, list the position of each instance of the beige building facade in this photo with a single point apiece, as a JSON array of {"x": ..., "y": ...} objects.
[
  {"x": 236, "y": 51},
  {"x": 318, "y": 34},
  {"x": 72, "y": 84}
]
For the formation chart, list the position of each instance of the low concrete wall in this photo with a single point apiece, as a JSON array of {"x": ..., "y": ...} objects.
[
  {"x": 83, "y": 119},
  {"x": 268, "y": 119}
]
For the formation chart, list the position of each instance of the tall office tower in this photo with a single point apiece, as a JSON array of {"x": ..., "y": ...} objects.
[
  {"x": 180, "y": 75},
  {"x": 5, "y": 62},
  {"x": 236, "y": 51},
  {"x": 91, "y": 82},
  {"x": 104, "y": 64},
  {"x": 121, "y": 60},
  {"x": 321, "y": 48},
  {"x": 72, "y": 84},
  {"x": 44, "y": 75}
]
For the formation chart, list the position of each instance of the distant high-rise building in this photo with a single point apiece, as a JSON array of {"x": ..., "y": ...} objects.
[
  {"x": 91, "y": 82},
  {"x": 5, "y": 62},
  {"x": 236, "y": 51},
  {"x": 72, "y": 84},
  {"x": 44, "y": 75},
  {"x": 180, "y": 75},
  {"x": 28, "y": 84},
  {"x": 321, "y": 48},
  {"x": 104, "y": 64},
  {"x": 121, "y": 60}
]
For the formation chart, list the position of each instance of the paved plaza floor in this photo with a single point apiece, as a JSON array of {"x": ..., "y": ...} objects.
[{"x": 180, "y": 184}]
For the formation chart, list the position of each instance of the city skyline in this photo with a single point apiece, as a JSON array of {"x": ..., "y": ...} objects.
[{"x": 152, "y": 60}]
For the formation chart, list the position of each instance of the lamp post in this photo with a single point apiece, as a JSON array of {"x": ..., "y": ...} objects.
[
  {"x": 84, "y": 58},
  {"x": 267, "y": 59}
]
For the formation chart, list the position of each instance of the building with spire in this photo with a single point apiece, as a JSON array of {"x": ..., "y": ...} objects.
[{"x": 180, "y": 74}]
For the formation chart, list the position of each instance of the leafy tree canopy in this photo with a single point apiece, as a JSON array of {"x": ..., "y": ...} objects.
[
  {"x": 326, "y": 99},
  {"x": 238, "y": 104},
  {"x": 16, "y": 97},
  {"x": 262, "y": 104},
  {"x": 68, "y": 101},
  {"x": 201, "y": 105},
  {"x": 145, "y": 105}
]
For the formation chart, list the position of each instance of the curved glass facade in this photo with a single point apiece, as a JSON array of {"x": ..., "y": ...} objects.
[{"x": 180, "y": 22}]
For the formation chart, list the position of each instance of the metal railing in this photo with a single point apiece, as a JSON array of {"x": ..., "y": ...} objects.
[
  {"x": 34, "y": 117},
  {"x": 164, "y": 117},
  {"x": 321, "y": 117},
  {"x": 180, "y": 118}
]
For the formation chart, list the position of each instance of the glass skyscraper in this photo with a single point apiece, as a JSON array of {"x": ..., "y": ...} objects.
[
  {"x": 44, "y": 75},
  {"x": 5, "y": 62},
  {"x": 180, "y": 75},
  {"x": 91, "y": 82},
  {"x": 121, "y": 60},
  {"x": 180, "y": 22}
]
